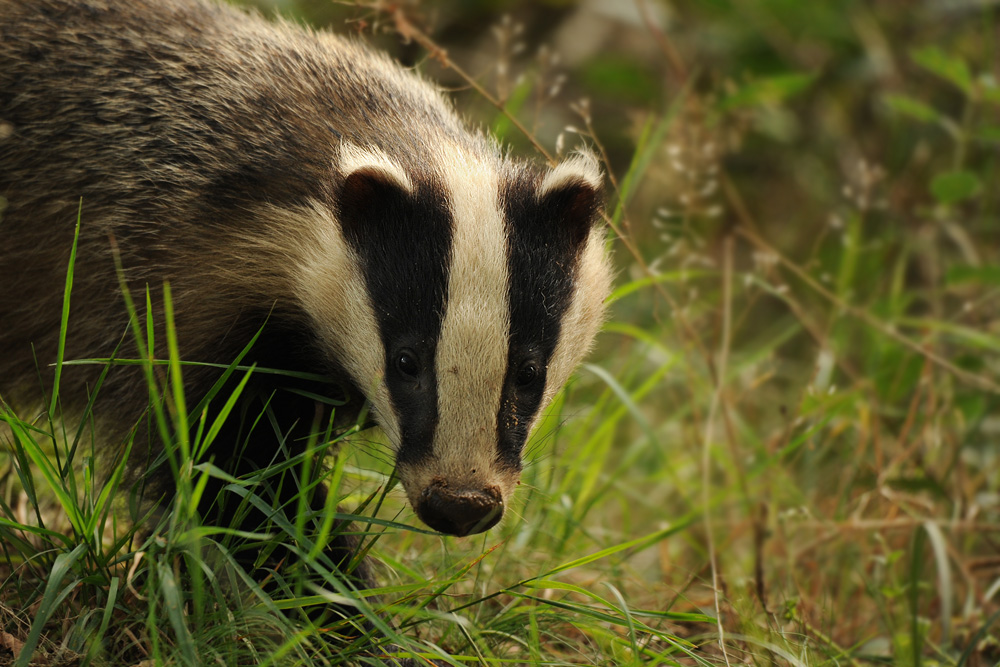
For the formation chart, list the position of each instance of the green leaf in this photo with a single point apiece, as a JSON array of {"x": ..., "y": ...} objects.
[
  {"x": 512, "y": 107},
  {"x": 955, "y": 186},
  {"x": 985, "y": 275},
  {"x": 948, "y": 67},
  {"x": 173, "y": 601},
  {"x": 771, "y": 90},
  {"x": 638, "y": 544},
  {"x": 97, "y": 639},
  {"x": 55, "y": 593},
  {"x": 912, "y": 108},
  {"x": 970, "y": 336},
  {"x": 667, "y": 277},
  {"x": 988, "y": 135},
  {"x": 617, "y": 77},
  {"x": 989, "y": 91},
  {"x": 61, "y": 350}
]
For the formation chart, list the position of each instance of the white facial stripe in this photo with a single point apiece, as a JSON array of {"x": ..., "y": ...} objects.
[
  {"x": 582, "y": 318},
  {"x": 472, "y": 350},
  {"x": 352, "y": 158},
  {"x": 330, "y": 284}
]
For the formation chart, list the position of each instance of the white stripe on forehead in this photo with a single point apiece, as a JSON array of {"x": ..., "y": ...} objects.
[
  {"x": 472, "y": 349},
  {"x": 330, "y": 284}
]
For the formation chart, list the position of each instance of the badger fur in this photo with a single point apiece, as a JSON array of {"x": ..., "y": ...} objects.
[{"x": 299, "y": 184}]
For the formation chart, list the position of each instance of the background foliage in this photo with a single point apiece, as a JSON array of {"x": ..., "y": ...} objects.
[{"x": 784, "y": 450}]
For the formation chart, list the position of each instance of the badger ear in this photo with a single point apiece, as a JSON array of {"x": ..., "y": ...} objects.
[
  {"x": 373, "y": 185},
  {"x": 571, "y": 195}
]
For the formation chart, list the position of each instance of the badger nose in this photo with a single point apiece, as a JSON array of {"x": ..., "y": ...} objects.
[{"x": 459, "y": 512}]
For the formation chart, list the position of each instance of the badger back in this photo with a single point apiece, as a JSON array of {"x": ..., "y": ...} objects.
[{"x": 275, "y": 174}]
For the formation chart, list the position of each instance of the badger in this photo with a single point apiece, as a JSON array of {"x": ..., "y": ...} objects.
[{"x": 308, "y": 198}]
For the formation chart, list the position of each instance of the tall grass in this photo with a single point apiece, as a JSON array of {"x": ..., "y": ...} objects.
[{"x": 784, "y": 450}]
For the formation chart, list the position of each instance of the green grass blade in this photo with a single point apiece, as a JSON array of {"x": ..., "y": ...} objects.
[
  {"x": 55, "y": 593},
  {"x": 64, "y": 317}
]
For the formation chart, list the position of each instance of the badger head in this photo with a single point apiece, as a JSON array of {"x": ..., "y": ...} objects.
[{"x": 459, "y": 299}]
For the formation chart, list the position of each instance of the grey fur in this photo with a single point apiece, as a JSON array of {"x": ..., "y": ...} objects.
[{"x": 149, "y": 110}]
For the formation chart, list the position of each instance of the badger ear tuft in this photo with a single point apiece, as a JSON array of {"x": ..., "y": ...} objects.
[
  {"x": 572, "y": 193},
  {"x": 372, "y": 183},
  {"x": 581, "y": 168},
  {"x": 372, "y": 163}
]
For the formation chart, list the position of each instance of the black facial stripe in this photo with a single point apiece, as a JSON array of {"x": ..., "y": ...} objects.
[
  {"x": 542, "y": 255},
  {"x": 404, "y": 242}
]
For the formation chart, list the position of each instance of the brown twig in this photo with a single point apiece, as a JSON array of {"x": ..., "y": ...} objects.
[
  {"x": 669, "y": 52},
  {"x": 408, "y": 30}
]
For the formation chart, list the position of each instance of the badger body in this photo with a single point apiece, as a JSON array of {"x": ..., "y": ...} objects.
[{"x": 297, "y": 185}]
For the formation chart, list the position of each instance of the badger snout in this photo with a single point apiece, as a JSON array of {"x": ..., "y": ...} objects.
[{"x": 459, "y": 511}]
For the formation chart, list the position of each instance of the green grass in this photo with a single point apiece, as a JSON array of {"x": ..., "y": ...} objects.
[{"x": 783, "y": 451}]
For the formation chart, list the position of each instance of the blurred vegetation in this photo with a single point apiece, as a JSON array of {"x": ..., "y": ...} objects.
[
  {"x": 807, "y": 229},
  {"x": 785, "y": 449}
]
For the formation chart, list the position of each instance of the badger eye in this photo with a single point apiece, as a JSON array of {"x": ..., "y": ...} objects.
[
  {"x": 407, "y": 364},
  {"x": 526, "y": 374}
]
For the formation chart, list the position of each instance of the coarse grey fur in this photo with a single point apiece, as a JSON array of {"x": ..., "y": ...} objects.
[{"x": 129, "y": 121}]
